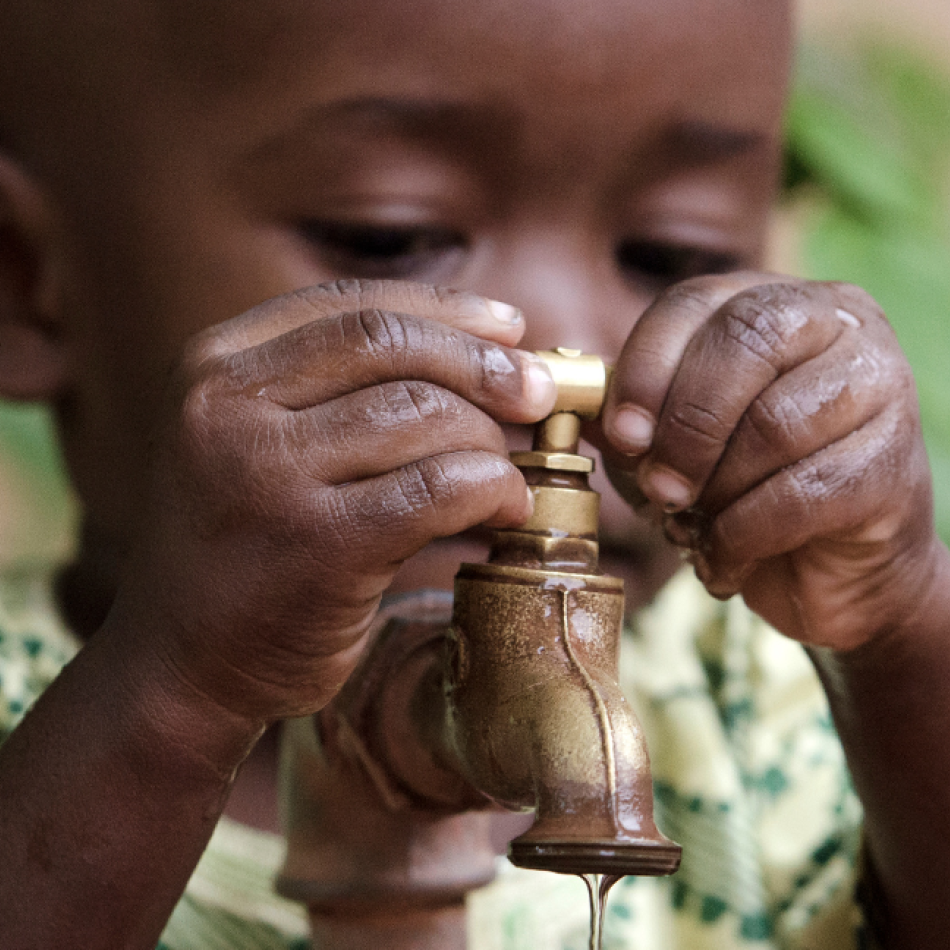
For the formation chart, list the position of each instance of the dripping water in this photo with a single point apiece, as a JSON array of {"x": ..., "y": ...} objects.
[{"x": 598, "y": 886}]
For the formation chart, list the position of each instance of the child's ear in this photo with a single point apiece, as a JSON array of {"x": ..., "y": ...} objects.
[{"x": 32, "y": 358}]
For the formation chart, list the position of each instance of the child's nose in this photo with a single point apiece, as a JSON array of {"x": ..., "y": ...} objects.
[{"x": 570, "y": 294}]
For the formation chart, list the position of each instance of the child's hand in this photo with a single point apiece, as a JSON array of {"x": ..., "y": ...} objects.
[
  {"x": 309, "y": 447},
  {"x": 773, "y": 424}
]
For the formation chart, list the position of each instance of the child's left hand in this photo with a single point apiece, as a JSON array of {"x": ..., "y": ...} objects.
[{"x": 773, "y": 425}]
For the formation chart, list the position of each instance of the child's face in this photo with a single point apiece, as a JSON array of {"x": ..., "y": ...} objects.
[{"x": 569, "y": 158}]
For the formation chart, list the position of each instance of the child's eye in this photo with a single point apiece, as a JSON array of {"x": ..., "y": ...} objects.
[
  {"x": 667, "y": 264},
  {"x": 383, "y": 251}
]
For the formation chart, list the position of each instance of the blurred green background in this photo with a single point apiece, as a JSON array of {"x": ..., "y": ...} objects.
[
  {"x": 868, "y": 187},
  {"x": 867, "y": 199}
]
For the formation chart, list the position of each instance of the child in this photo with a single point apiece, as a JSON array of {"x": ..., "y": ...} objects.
[{"x": 252, "y": 485}]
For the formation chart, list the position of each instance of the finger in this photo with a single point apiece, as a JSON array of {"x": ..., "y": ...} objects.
[
  {"x": 399, "y": 512},
  {"x": 480, "y": 316},
  {"x": 654, "y": 350},
  {"x": 752, "y": 340},
  {"x": 321, "y": 361},
  {"x": 384, "y": 428},
  {"x": 805, "y": 410},
  {"x": 846, "y": 491}
]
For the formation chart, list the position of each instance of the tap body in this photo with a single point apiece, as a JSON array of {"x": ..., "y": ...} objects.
[
  {"x": 538, "y": 721},
  {"x": 505, "y": 696}
]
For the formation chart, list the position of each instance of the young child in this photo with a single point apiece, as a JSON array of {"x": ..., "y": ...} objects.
[{"x": 252, "y": 485}]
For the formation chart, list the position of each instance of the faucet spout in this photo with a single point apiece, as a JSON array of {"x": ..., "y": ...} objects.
[{"x": 539, "y": 722}]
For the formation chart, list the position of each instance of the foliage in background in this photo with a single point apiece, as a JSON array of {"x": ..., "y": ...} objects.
[
  {"x": 868, "y": 151},
  {"x": 37, "y": 511}
]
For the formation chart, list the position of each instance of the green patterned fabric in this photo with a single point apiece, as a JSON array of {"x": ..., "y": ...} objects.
[
  {"x": 34, "y": 645},
  {"x": 750, "y": 779},
  {"x": 230, "y": 902}
]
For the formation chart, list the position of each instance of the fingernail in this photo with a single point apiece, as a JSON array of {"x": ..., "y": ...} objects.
[
  {"x": 667, "y": 488},
  {"x": 504, "y": 312},
  {"x": 539, "y": 383},
  {"x": 631, "y": 430},
  {"x": 845, "y": 317}
]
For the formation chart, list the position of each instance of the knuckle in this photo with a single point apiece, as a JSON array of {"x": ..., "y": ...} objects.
[
  {"x": 408, "y": 401},
  {"x": 451, "y": 300},
  {"x": 413, "y": 295},
  {"x": 359, "y": 294},
  {"x": 345, "y": 295},
  {"x": 442, "y": 296},
  {"x": 763, "y": 320},
  {"x": 879, "y": 359},
  {"x": 350, "y": 292},
  {"x": 815, "y": 482},
  {"x": 381, "y": 333},
  {"x": 775, "y": 419},
  {"x": 223, "y": 439},
  {"x": 423, "y": 486},
  {"x": 197, "y": 403},
  {"x": 698, "y": 422},
  {"x": 820, "y": 479},
  {"x": 889, "y": 443}
]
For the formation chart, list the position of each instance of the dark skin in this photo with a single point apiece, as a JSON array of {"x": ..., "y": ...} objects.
[{"x": 589, "y": 166}]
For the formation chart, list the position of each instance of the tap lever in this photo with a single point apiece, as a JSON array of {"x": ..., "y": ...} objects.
[{"x": 581, "y": 381}]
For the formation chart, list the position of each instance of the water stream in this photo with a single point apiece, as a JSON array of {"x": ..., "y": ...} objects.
[{"x": 598, "y": 886}]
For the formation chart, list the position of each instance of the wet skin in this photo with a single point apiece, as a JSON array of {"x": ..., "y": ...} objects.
[{"x": 578, "y": 163}]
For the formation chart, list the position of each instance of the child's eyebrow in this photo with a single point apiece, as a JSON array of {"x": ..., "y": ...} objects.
[
  {"x": 415, "y": 117},
  {"x": 690, "y": 141},
  {"x": 402, "y": 109},
  {"x": 704, "y": 142}
]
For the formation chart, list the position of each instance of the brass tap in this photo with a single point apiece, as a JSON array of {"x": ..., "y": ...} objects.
[{"x": 535, "y": 713}]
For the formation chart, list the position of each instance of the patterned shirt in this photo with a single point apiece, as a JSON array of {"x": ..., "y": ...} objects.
[{"x": 749, "y": 777}]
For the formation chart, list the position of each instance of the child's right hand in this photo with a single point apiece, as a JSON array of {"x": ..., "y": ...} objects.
[{"x": 308, "y": 448}]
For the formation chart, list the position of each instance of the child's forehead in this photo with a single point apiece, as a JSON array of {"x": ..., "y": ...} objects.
[
  {"x": 727, "y": 57},
  {"x": 244, "y": 46},
  {"x": 244, "y": 40}
]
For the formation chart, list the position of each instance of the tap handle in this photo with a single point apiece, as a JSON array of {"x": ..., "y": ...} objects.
[{"x": 581, "y": 381}]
